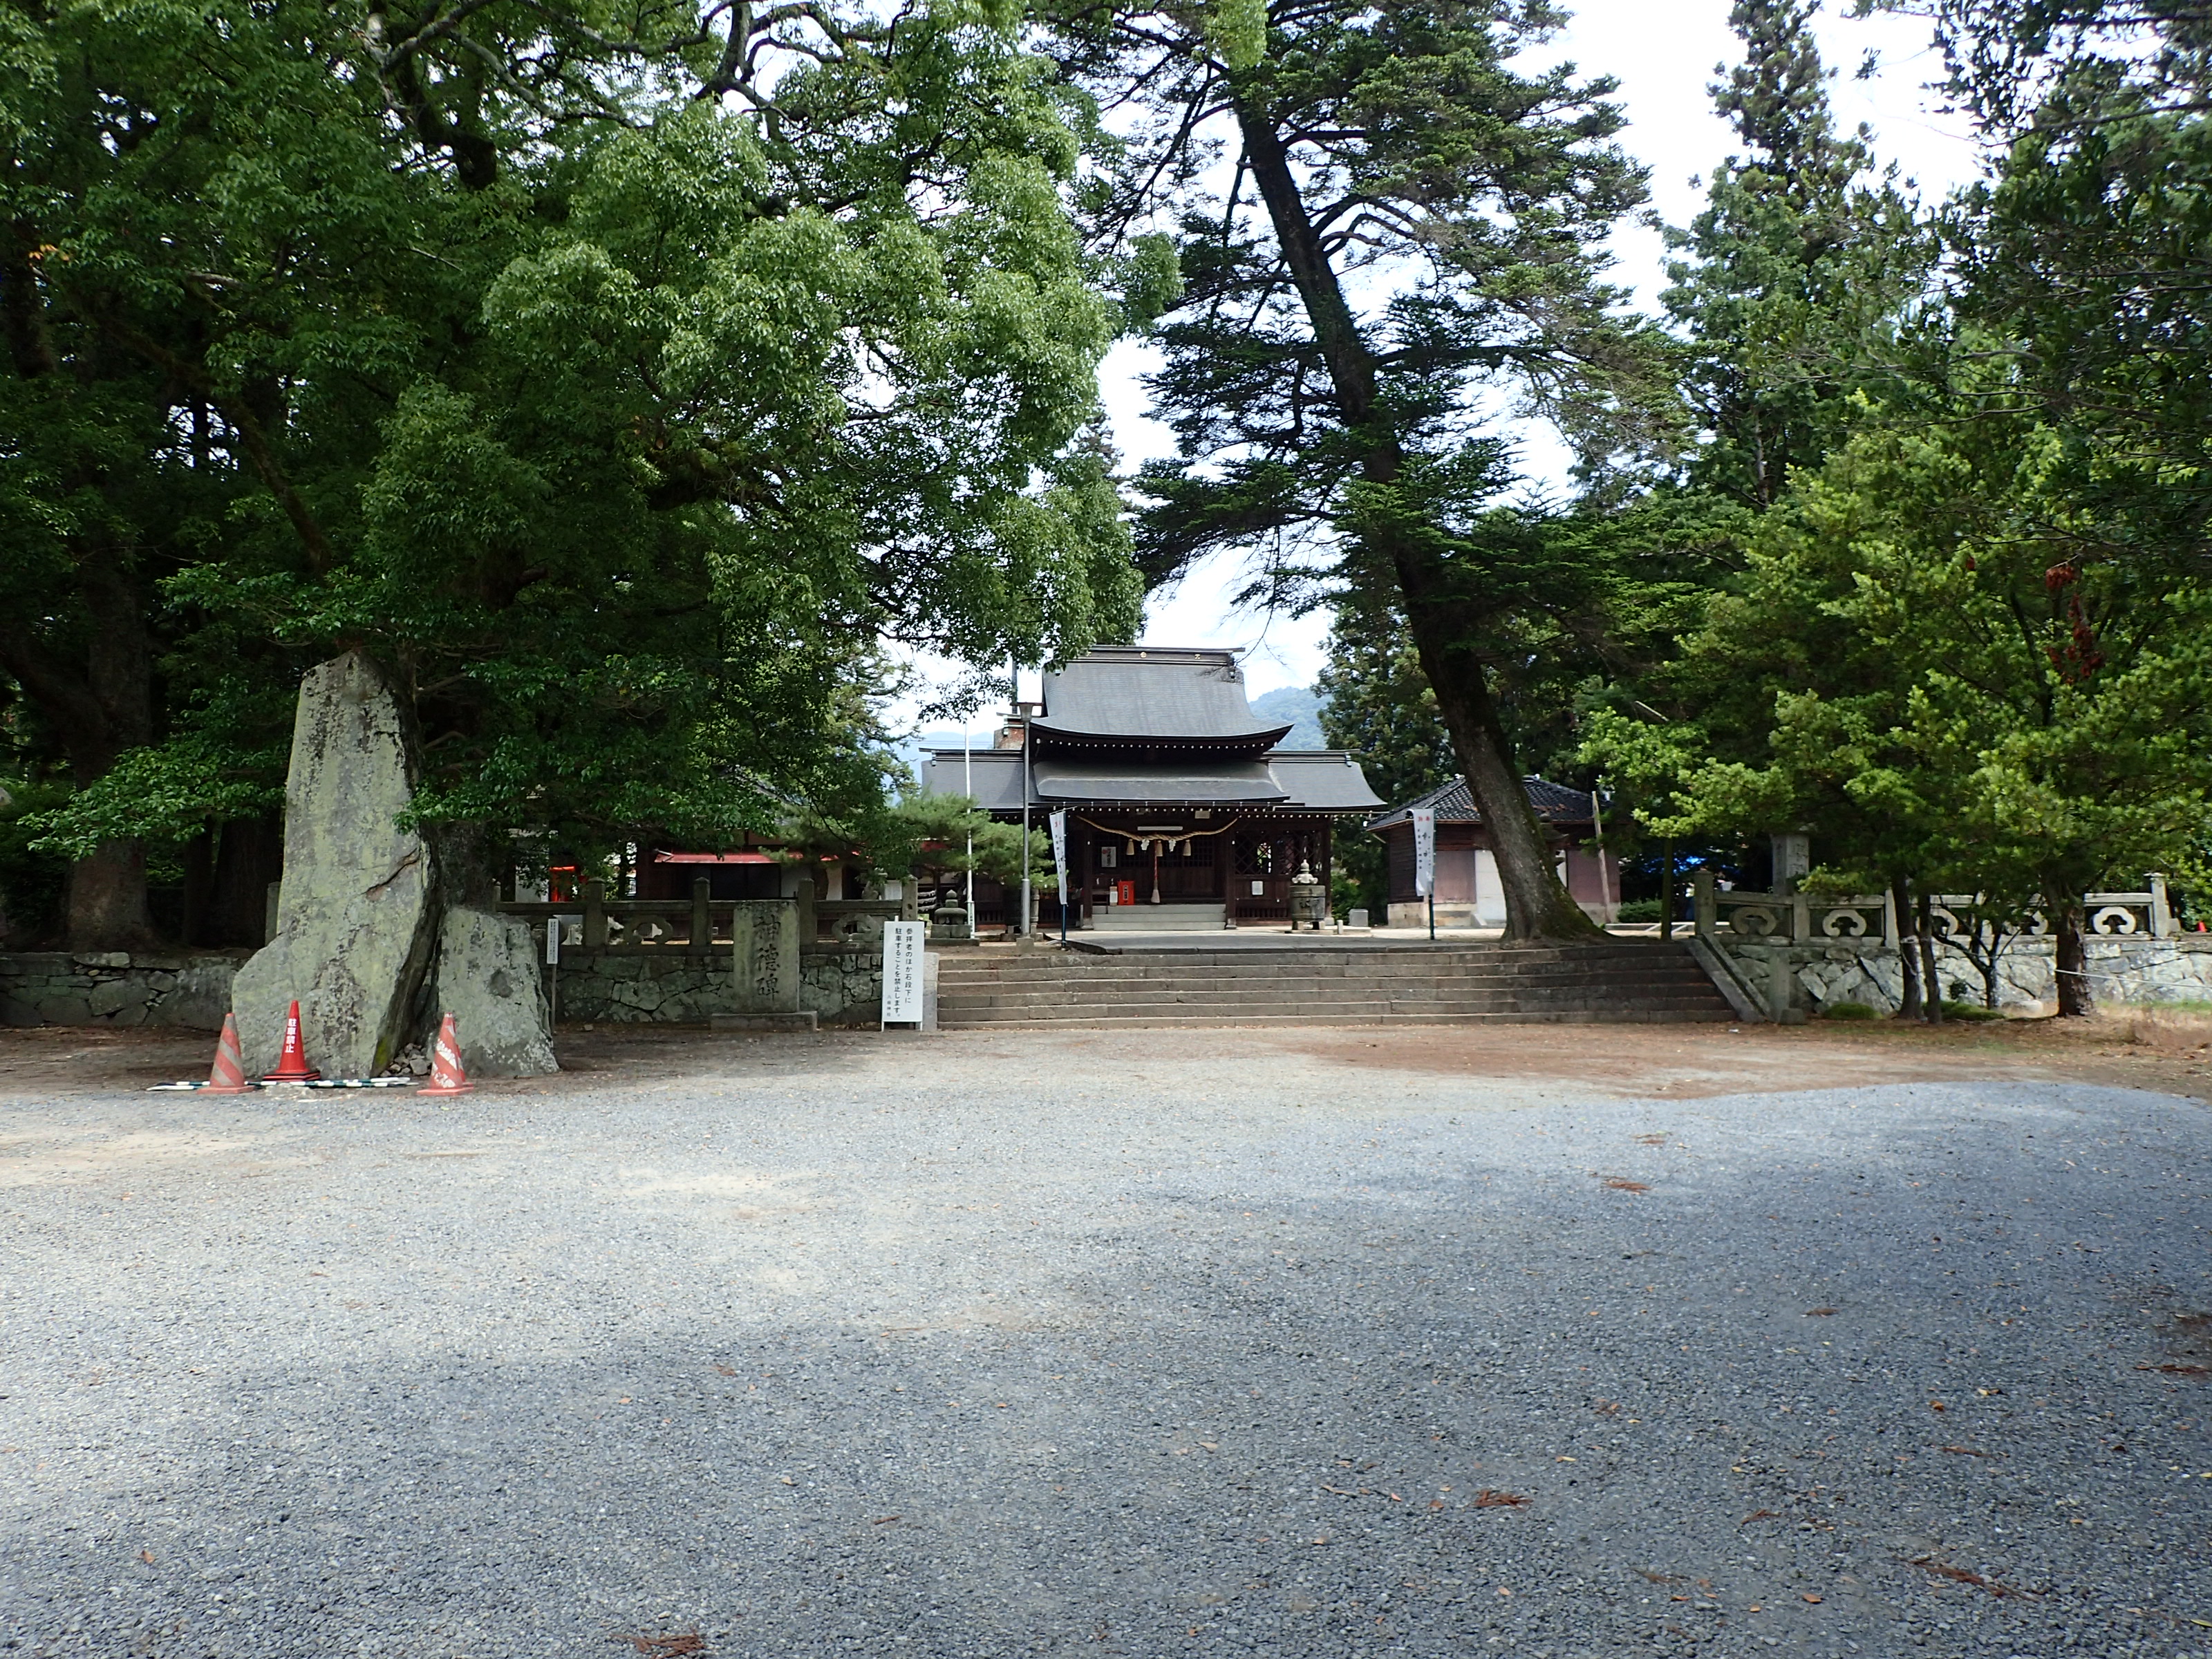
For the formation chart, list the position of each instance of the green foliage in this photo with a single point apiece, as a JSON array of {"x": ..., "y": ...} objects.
[
  {"x": 1969, "y": 1011},
  {"x": 163, "y": 794},
  {"x": 1848, "y": 1011},
  {"x": 1413, "y": 222},
  {"x": 622, "y": 383},
  {"x": 935, "y": 834},
  {"x": 31, "y": 878},
  {"x": 1914, "y": 666},
  {"x": 1798, "y": 276}
]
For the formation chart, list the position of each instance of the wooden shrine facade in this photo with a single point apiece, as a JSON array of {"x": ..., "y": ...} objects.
[{"x": 1179, "y": 801}]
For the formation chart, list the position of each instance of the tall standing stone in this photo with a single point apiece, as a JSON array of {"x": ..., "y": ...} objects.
[{"x": 357, "y": 917}]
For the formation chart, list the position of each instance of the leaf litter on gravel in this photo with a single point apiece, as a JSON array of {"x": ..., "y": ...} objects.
[
  {"x": 1943, "y": 1568},
  {"x": 686, "y": 1641}
]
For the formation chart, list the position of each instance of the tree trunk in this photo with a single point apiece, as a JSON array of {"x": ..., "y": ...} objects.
[
  {"x": 1931, "y": 981},
  {"x": 1900, "y": 898},
  {"x": 107, "y": 899},
  {"x": 199, "y": 889},
  {"x": 2076, "y": 999},
  {"x": 1537, "y": 904},
  {"x": 98, "y": 707},
  {"x": 250, "y": 857}
]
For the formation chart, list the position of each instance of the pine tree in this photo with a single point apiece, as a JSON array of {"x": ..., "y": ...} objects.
[
  {"x": 1408, "y": 221},
  {"x": 1796, "y": 266}
]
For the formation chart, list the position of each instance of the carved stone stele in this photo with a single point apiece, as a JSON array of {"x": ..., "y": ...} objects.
[{"x": 357, "y": 915}]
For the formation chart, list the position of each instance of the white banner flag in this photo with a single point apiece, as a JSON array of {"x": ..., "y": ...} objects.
[
  {"x": 1059, "y": 851},
  {"x": 1424, "y": 852}
]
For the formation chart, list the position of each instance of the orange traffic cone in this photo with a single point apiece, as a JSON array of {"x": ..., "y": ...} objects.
[
  {"x": 228, "y": 1076},
  {"x": 293, "y": 1068},
  {"x": 446, "y": 1075}
]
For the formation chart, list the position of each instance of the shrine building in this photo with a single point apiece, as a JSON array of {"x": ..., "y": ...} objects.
[
  {"x": 1468, "y": 893},
  {"x": 1181, "y": 811}
]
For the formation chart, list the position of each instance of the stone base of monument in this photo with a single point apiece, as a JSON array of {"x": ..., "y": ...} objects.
[{"x": 805, "y": 1020}]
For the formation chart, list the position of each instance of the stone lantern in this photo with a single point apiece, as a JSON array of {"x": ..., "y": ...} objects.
[{"x": 1309, "y": 898}]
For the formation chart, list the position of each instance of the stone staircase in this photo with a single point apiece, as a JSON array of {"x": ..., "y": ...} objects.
[
  {"x": 1157, "y": 918},
  {"x": 1619, "y": 980}
]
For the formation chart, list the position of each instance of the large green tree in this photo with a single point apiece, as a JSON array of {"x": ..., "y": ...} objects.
[
  {"x": 1794, "y": 283},
  {"x": 1406, "y": 226},
  {"x": 622, "y": 377},
  {"x": 1914, "y": 667}
]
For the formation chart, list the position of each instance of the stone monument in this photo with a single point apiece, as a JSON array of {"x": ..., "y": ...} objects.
[
  {"x": 367, "y": 936},
  {"x": 487, "y": 979},
  {"x": 357, "y": 916}
]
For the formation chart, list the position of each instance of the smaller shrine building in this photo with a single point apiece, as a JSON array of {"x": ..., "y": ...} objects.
[
  {"x": 1181, "y": 811},
  {"x": 1468, "y": 893}
]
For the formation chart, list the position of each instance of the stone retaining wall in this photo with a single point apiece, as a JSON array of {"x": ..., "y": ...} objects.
[
  {"x": 116, "y": 987},
  {"x": 842, "y": 984},
  {"x": 2131, "y": 970}
]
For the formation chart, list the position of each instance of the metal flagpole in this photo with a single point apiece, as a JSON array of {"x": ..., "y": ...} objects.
[
  {"x": 967, "y": 788},
  {"x": 1016, "y": 667}
]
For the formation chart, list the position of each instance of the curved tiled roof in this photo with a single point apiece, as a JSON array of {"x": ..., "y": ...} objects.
[
  {"x": 1455, "y": 803},
  {"x": 1126, "y": 696},
  {"x": 1316, "y": 780}
]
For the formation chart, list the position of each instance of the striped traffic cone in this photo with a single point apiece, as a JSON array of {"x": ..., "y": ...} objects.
[
  {"x": 228, "y": 1075},
  {"x": 293, "y": 1068},
  {"x": 448, "y": 1076}
]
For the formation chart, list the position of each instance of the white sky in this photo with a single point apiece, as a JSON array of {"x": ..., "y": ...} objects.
[{"x": 1663, "y": 53}]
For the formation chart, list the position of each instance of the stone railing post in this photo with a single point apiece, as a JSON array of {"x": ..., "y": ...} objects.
[
  {"x": 802, "y": 892},
  {"x": 2161, "y": 909},
  {"x": 595, "y": 915},
  {"x": 1705, "y": 904},
  {"x": 1782, "y": 986},
  {"x": 1801, "y": 917},
  {"x": 703, "y": 918}
]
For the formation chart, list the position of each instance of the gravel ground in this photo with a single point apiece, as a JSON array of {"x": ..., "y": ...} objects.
[{"x": 1155, "y": 1345}]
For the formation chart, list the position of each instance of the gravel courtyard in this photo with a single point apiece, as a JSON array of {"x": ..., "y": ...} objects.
[{"x": 1142, "y": 1343}]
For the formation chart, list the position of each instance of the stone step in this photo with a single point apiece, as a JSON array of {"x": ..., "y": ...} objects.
[
  {"x": 1390, "y": 993},
  {"x": 1261, "y": 959},
  {"x": 1199, "y": 986},
  {"x": 1107, "y": 967},
  {"x": 1496, "y": 998},
  {"x": 1624, "y": 981},
  {"x": 1087, "y": 1021},
  {"x": 1156, "y": 919}
]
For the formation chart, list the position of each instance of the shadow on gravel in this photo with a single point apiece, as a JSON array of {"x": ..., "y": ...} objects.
[{"x": 1643, "y": 1376}]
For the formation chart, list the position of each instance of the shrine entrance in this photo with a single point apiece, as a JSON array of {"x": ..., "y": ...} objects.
[{"x": 1245, "y": 865}]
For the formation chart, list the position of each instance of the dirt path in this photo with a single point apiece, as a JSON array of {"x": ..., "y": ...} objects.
[{"x": 2170, "y": 1052}]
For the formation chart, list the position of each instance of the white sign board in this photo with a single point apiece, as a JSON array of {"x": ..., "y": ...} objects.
[
  {"x": 902, "y": 972},
  {"x": 554, "y": 927},
  {"x": 1060, "y": 850},
  {"x": 1424, "y": 852}
]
